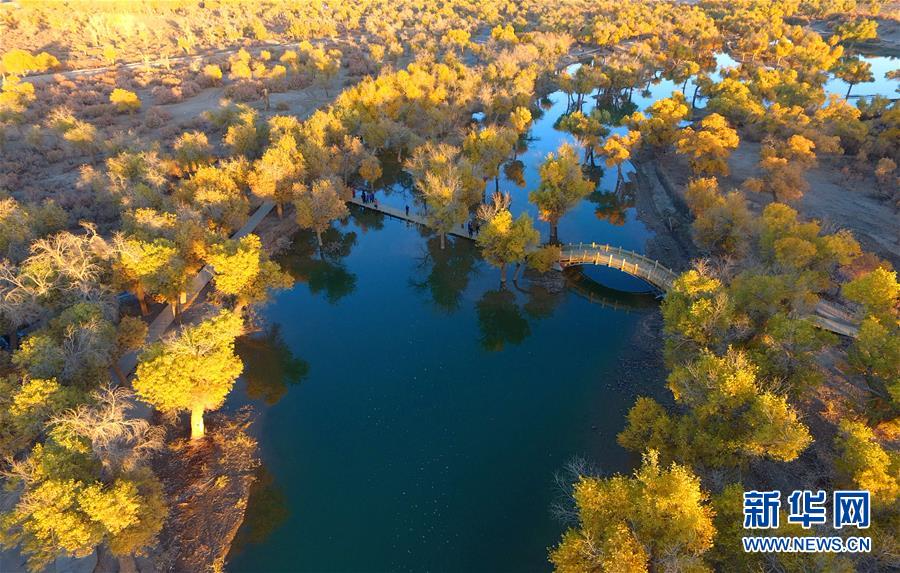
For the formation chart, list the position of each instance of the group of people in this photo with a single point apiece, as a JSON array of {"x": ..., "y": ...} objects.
[{"x": 368, "y": 197}]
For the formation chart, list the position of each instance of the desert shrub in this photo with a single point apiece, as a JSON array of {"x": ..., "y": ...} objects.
[
  {"x": 211, "y": 75},
  {"x": 165, "y": 95},
  {"x": 244, "y": 91},
  {"x": 156, "y": 117},
  {"x": 125, "y": 101}
]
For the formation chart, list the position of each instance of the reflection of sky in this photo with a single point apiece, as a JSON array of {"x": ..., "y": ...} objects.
[{"x": 881, "y": 86}]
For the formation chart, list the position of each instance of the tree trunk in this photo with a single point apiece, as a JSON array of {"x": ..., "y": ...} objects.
[
  {"x": 179, "y": 304},
  {"x": 497, "y": 181},
  {"x": 127, "y": 564},
  {"x": 13, "y": 338},
  {"x": 442, "y": 240},
  {"x": 142, "y": 299},
  {"x": 847, "y": 97},
  {"x": 319, "y": 237},
  {"x": 694, "y": 99},
  {"x": 119, "y": 374},
  {"x": 197, "y": 428},
  {"x": 518, "y": 270},
  {"x": 554, "y": 232},
  {"x": 279, "y": 210},
  {"x": 503, "y": 273}
]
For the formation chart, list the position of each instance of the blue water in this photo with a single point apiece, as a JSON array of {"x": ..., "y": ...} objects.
[{"x": 413, "y": 413}]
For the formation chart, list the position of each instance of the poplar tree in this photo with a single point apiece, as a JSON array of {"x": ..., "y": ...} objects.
[
  {"x": 562, "y": 186},
  {"x": 88, "y": 484},
  {"x": 658, "y": 519},
  {"x": 488, "y": 148},
  {"x": 445, "y": 198},
  {"x": 709, "y": 147},
  {"x": 854, "y": 71},
  {"x": 276, "y": 172},
  {"x": 150, "y": 268},
  {"x": 320, "y": 204},
  {"x": 192, "y": 371},
  {"x": 244, "y": 272},
  {"x": 617, "y": 149},
  {"x": 504, "y": 240}
]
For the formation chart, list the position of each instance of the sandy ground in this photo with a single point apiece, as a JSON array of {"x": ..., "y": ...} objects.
[{"x": 837, "y": 200}]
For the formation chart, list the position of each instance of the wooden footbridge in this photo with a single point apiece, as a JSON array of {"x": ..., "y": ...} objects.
[
  {"x": 626, "y": 261},
  {"x": 828, "y": 316}
]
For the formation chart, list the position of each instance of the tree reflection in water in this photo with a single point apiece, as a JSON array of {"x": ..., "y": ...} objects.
[
  {"x": 616, "y": 108},
  {"x": 541, "y": 301},
  {"x": 270, "y": 366},
  {"x": 611, "y": 205},
  {"x": 322, "y": 269},
  {"x": 366, "y": 219},
  {"x": 267, "y": 510},
  {"x": 444, "y": 273},
  {"x": 515, "y": 171},
  {"x": 501, "y": 320}
]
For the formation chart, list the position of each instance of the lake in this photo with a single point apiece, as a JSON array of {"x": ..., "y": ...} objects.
[{"x": 413, "y": 414}]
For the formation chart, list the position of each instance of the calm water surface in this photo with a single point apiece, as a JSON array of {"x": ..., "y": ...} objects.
[{"x": 413, "y": 414}]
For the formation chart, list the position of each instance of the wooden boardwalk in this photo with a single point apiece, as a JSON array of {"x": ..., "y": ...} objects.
[
  {"x": 413, "y": 217},
  {"x": 827, "y": 315},
  {"x": 831, "y": 317}
]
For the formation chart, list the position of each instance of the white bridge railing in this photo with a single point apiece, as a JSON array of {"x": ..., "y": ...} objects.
[{"x": 616, "y": 257}]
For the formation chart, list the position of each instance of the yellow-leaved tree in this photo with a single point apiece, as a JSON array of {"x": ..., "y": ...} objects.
[
  {"x": 194, "y": 370},
  {"x": 659, "y": 519},
  {"x": 244, "y": 272},
  {"x": 563, "y": 186},
  {"x": 708, "y": 148},
  {"x": 320, "y": 204}
]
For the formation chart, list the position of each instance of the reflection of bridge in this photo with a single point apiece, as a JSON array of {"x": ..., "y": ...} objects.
[
  {"x": 594, "y": 292},
  {"x": 827, "y": 315}
]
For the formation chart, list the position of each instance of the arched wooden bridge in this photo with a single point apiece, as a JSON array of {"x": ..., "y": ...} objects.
[
  {"x": 624, "y": 260},
  {"x": 827, "y": 315}
]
